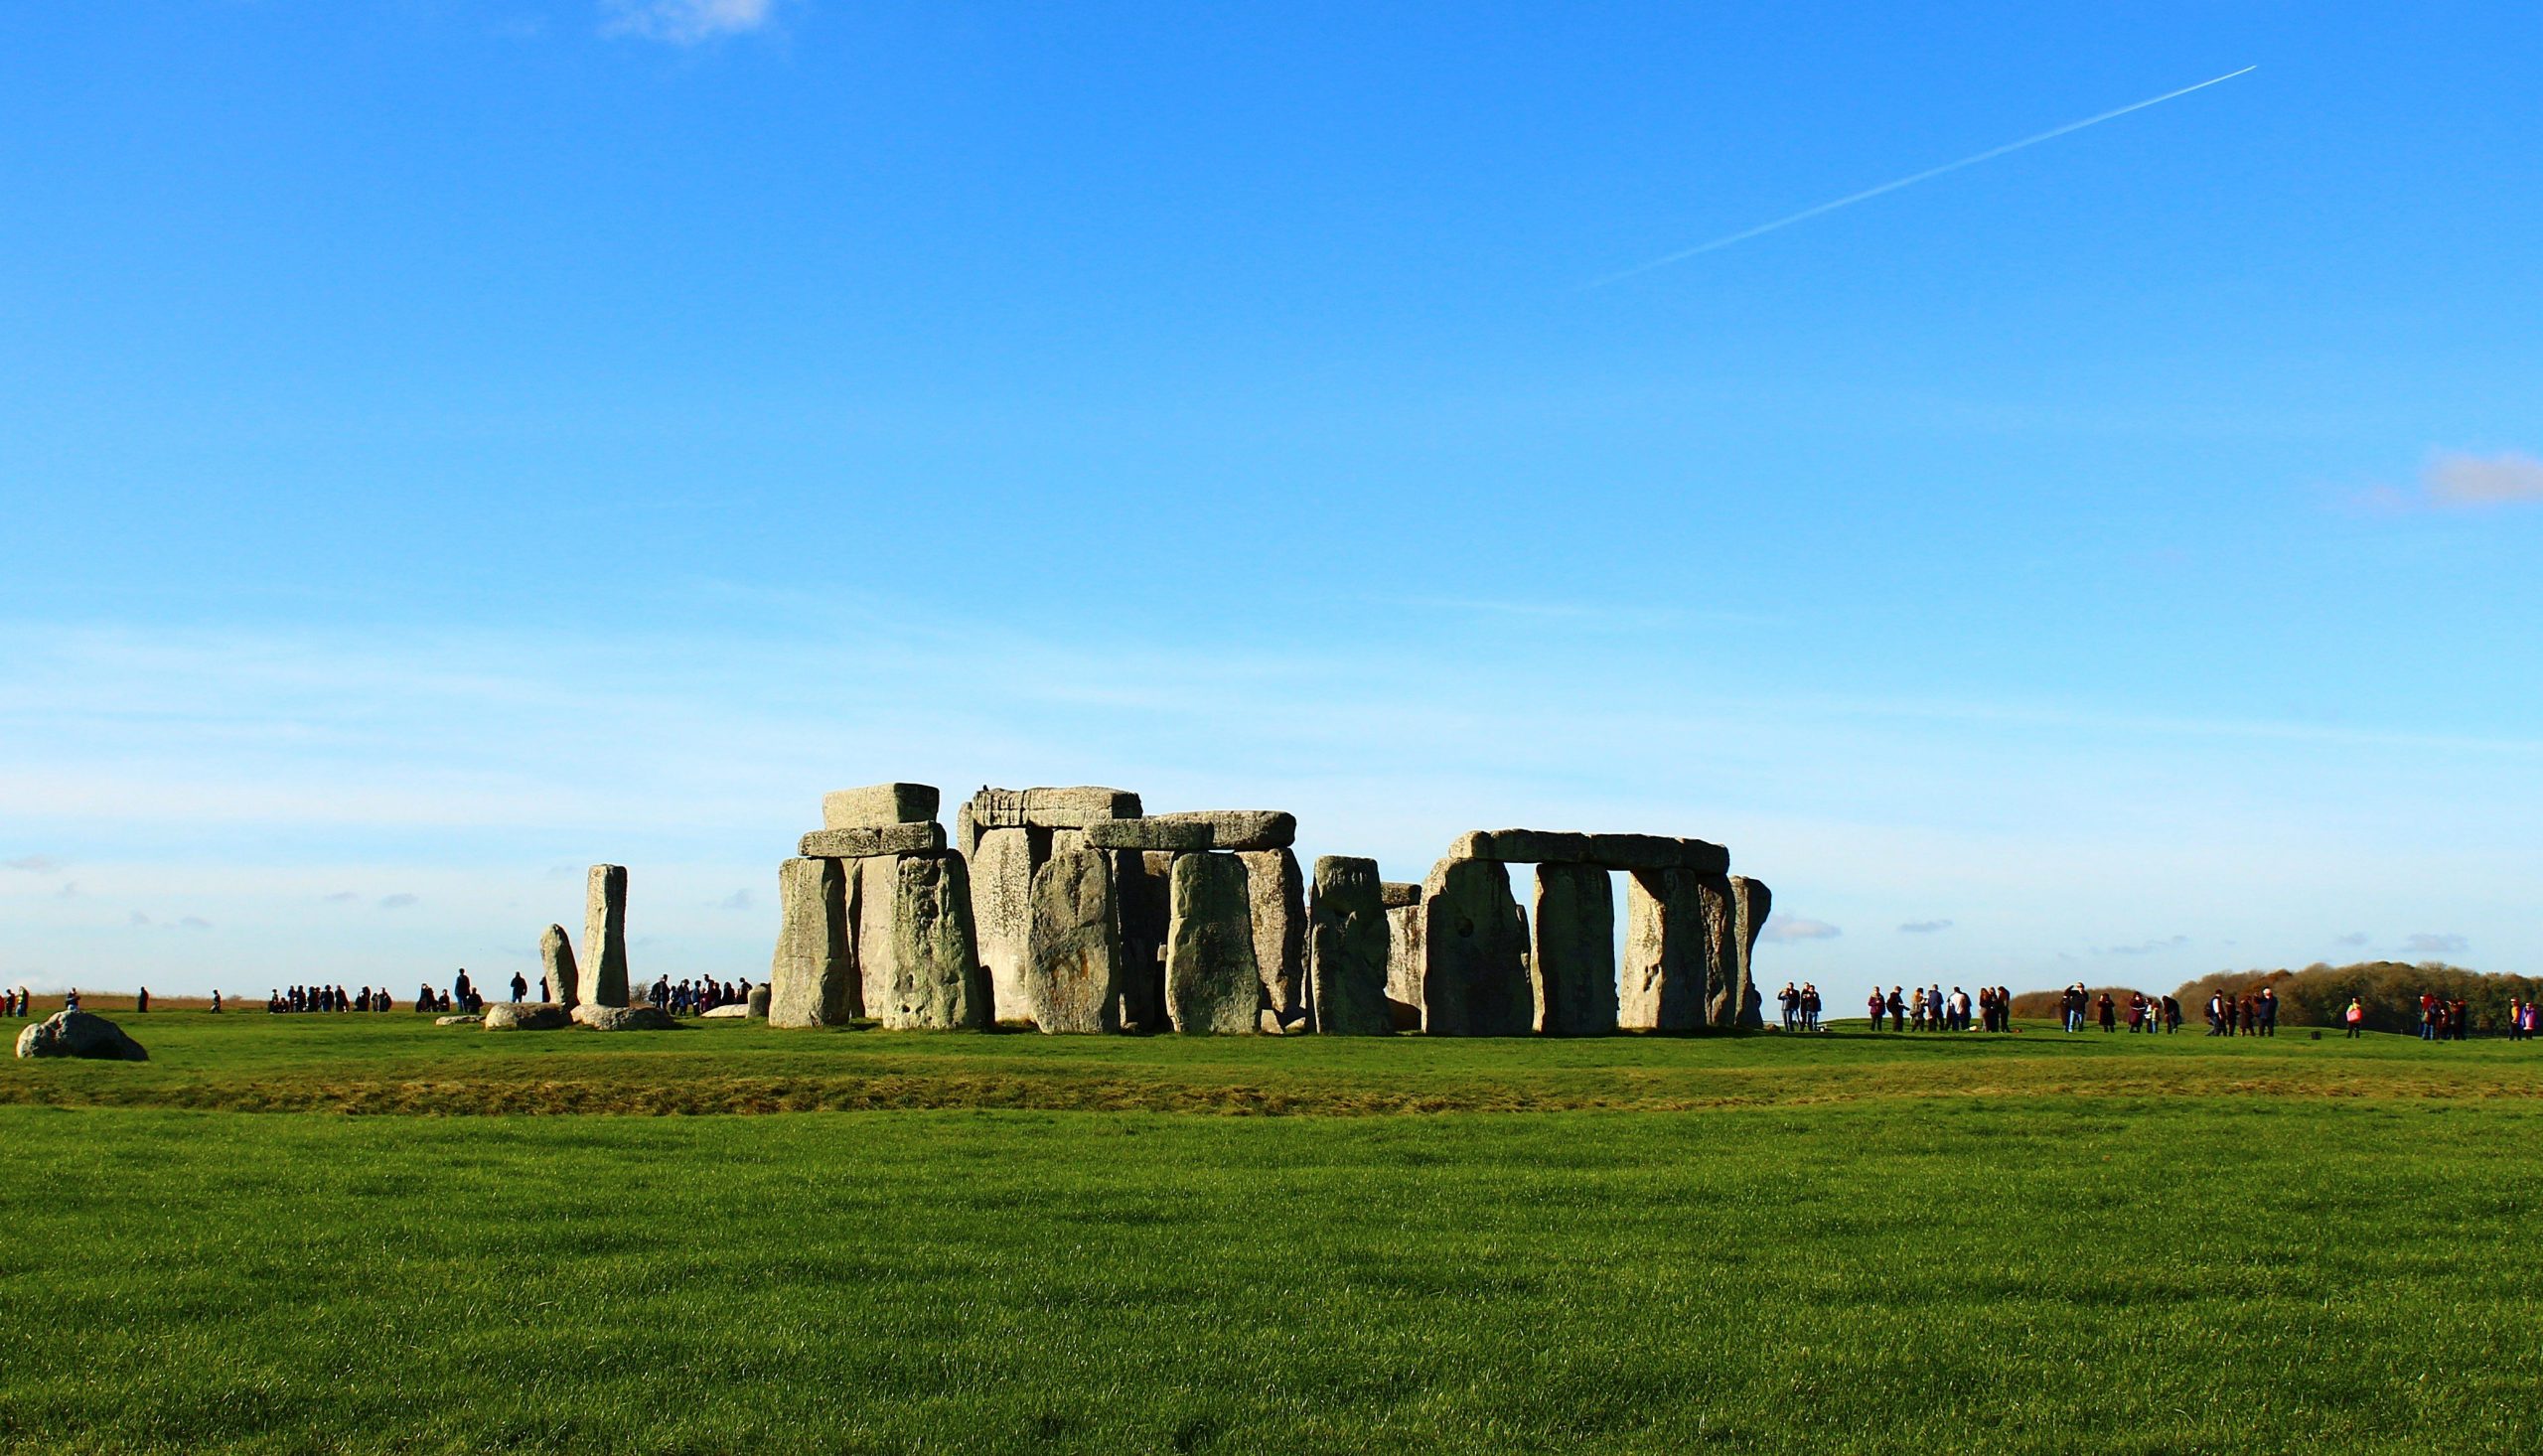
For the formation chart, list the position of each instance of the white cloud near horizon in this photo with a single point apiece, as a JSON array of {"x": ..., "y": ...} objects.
[
  {"x": 1799, "y": 929},
  {"x": 2458, "y": 480},
  {"x": 1923, "y": 926},
  {"x": 2427, "y": 944},
  {"x": 685, "y": 22}
]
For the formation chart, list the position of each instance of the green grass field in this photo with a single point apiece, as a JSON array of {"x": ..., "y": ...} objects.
[{"x": 1014, "y": 1243}]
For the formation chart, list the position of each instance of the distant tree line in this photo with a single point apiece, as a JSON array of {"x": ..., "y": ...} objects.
[
  {"x": 2391, "y": 989},
  {"x": 2044, "y": 1005}
]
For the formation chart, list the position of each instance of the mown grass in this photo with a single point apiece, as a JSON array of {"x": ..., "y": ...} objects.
[{"x": 1944, "y": 1252}]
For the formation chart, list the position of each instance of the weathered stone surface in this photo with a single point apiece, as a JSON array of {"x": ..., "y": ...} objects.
[
  {"x": 813, "y": 979},
  {"x": 623, "y": 1018},
  {"x": 1002, "y": 917},
  {"x": 1474, "y": 946},
  {"x": 1239, "y": 828},
  {"x": 878, "y": 885},
  {"x": 1752, "y": 902},
  {"x": 1143, "y": 898},
  {"x": 1668, "y": 953},
  {"x": 1049, "y": 809},
  {"x": 1722, "y": 935},
  {"x": 604, "y": 956},
  {"x": 935, "y": 979},
  {"x": 1176, "y": 836},
  {"x": 757, "y": 1002},
  {"x": 1573, "y": 954},
  {"x": 878, "y": 806},
  {"x": 1400, "y": 894},
  {"x": 556, "y": 966},
  {"x": 1609, "y": 852},
  {"x": 526, "y": 1016},
  {"x": 79, "y": 1033},
  {"x": 1277, "y": 896},
  {"x": 1404, "y": 957},
  {"x": 1076, "y": 981},
  {"x": 730, "y": 1011},
  {"x": 1211, "y": 981},
  {"x": 1347, "y": 945},
  {"x": 458, "y": 1020},
  {"x": 866, "y": 843}
]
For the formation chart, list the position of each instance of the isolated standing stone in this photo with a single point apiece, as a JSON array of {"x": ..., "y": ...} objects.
[
  {"x": 1667, "y": 953},
  {"x": 812, "y": 979},
  {"x": 1211, "y": 981},
  {"x": 1752, "y": 902},
  {"x": 1574, "y": 955},
  {"x": 1277, "y": 898},
  {"x": 556, "y": 963},
  {"x": 1002, "y": 916},
  {"x": 1076, "y": 980},
  {"x": 1142, "y": 897},
  {"x": 79, "y": 1033},
  {"x": 1347, "y": 949},
  {"x": 878, "y": 804},
  {"x": 1474, "y": 946},
  {"x": 936, "y": 981},
  {"x": 605, "y": 936}
]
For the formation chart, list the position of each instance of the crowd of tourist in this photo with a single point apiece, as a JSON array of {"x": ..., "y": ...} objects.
[
  {"x": 323, "y": 998},
  {"x": 697, "y": 997},
  {"x": 1926, "y": 1008},
  {"x": 2251, "y": 1014}
]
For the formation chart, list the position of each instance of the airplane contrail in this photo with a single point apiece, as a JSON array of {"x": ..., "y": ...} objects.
[{"x": 1928, "y": 173}]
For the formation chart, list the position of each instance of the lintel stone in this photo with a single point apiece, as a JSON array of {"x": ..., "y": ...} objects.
[
  {"x": 866, "y": 843},
  {"x": 880, "y": 805}
]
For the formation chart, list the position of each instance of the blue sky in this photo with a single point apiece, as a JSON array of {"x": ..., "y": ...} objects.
[{"x": 445, "y": 444}]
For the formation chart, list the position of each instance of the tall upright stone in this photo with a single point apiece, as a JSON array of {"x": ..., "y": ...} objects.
[
  {"x": 1075, "y": 984},
  {"x": 1667, "y": 969},
  {"x": 1752, "y": 902},
  {"x": 556, "y": 966},
  {"x": 1212, "y": 984},
  {"x": 934, "y": 981},
  {"x": 1142, "y": 896},
  {"x": 1277, "y": 896},
  {"x": 812, "y": 979},
  {"x": 605, "y": 937},
  {"x": 1573, "y": 954},
  {"x": 877, "y": 891},
  {"x": 1347, "y": 945},
  {"x": 1404, "y": 945},
  {"x": 1474, "y": 946},
  {"x": 1721, "y": 951},
  {"x": 1002, "y": 916}
]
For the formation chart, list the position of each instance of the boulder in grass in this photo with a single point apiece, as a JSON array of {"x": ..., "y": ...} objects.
[
  {"x": 526, "y": 1016},
  {"x": 458, "y": 1020},
  {"x": 730, "y": 1011},
  {"x": 79, "y": 1033},
  {"x": 623, "y": 1018}
]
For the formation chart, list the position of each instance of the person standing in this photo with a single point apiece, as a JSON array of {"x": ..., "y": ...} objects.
[
  {"x": 520, "y": 987},
  {"x": 1874, "y": 1005},
  {"x": 2354, "y": 1017},
  {"x": 2110, "y": 1014},
  {"x": 2268, "y": 1012},
  {"x": 1897, "y": 1010}
]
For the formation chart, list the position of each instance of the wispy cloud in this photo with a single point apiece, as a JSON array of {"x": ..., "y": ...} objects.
[
  {"x": 738, "y": 900},
  {"x": 1800, "y": 930},
  {"x": 2456, "y": 479},
  {"x": 342, "y": 897},
  {"x": 2149, "y": 948},
  {"x": 396, "y": 902},
  {"x": 34, "y": 864},
  {"x": 1923, "y": 926},
  {"x": 2353, "y": 937},
  {"x": 685, "y": 22},
  {"x": 195, "y": 923},
  {"x": 2432, "y": 943}
]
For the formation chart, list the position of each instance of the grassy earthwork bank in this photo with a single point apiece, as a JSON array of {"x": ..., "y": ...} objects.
[{"x": 989, "y": 1244}]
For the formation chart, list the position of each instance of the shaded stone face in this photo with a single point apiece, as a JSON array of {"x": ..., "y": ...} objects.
[
  {"x": 1276, "y": 894},
  {"x": 878, "y": 887},
  {"x": 1667, "y": 969},
  {"x": 866, "y": 843},
  {"x": 1347, "y": 945},
  {"x": 877, "y": 805},
  {"x": 1141, "y": 892},
  {"x": 1176, "y": 836},
  {"x": 503, "y": 1016},
  {"x": 1400, "y": 894},
  {"x": 1002, "y": 916},
  {"x": 1573, "y": 954},
  {"x": 1750, "y": 903},
  {"x": 1404, "y": 957},
  {"x": 605, "y": 937},
  {"x": 1238, "y": 828},
  {"x": 1721, "y": 942},
  {"x": 813, "y": 979},
  {"x": 1048, "y": 808},
  {"x": 1211, "y": 981},
  {"x": 1609, "y": 852},
  {"x": 1474, "y": 946},
  {"x": 556, "y": 963},
  {"x": 934, "y": 976},
  {"x": 1076, "y": 981}
]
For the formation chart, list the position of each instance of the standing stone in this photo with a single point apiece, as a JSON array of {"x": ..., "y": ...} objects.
[
  {"x": 1668, "y": 957},
  {"x": 813, "y": 977},
  {"x": 1347, "y": 940},
  {"x": 934, "y": 980},
  {"x": 1721, "y": 951},
  {"x": 1403, "y": 946},
  {"x": 556, "y": 963},
  {"x": 1142, "y": 899},
  {"x": 1574, "y": 955},
  {"x": 1474, "y": 946},
  {"x": 1002, "y": 916},
  {"x": 1752, "y": 902},
  {"x": 1212, "y": 984},
  {"x": 605, "y": 937},
  {"x": 1275, "y": 893},
  {"x": 1076, "y": 981}
]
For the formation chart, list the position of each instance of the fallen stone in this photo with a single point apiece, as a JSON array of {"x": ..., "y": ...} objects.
[
  {"x": 1211, "y": 981},
  {"x": 1400, "y": 894},
  {"x": 459, "y": 1020},
  {"x": 1176, "y": 836},
  {"x": 935, "y": 982},
  {"x": 623, "y": 1018},
  {"x": 83, "y": 1033},
  {"x": 866, "y": 843},
  {"x": 1667, "y": 969},
  {"x": 730, "y": 1011},
  {"x": 1002, "y": 917},
  {"x": 1474, "y": 946},
  {"x": 605, "y": 937},
  {"x": 878, "y": 806},
  {"x": 1277, "y": 900},
  {"x": 1573, "y": 954},
  {"x": 1049, "y": 809},
  {"x": 1076, "y": 980},
  {"x": 556, "y": 966},
  {"x": 1347, "y": 943},
  {"x": 812, "y": 978},
  {"x": 526, "y": 1016},
  {"x": 1239, "y": 828}
]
